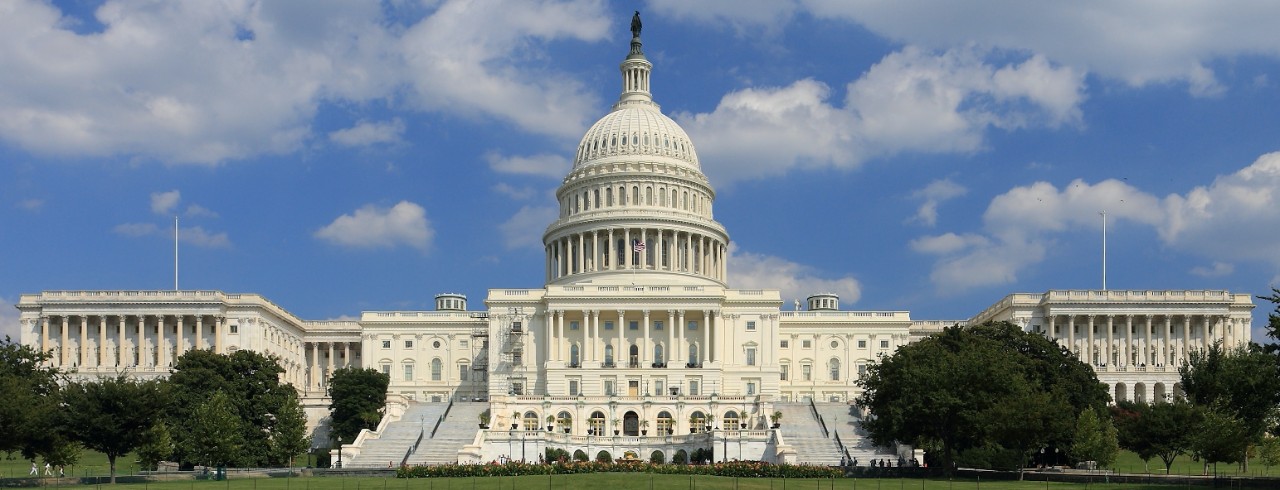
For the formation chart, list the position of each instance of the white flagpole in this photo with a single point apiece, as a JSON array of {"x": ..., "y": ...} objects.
[
  {"x": 1104, "y": 250},
  {"x": 175, "y": 253}
]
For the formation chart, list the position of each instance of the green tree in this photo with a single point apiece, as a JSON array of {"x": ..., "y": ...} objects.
[
  {"x": 1269, "y": 452},
  {"x": 112, "y": 415},
  {"x": 214, "y": 435},
  {"x": 358, "y": 398},
  {"x": 1162, "y": 429},
  {"x": 1242, "y": 384},
  {"x": 1096, "y": 439},
  {"x": 1220, "y": 438},
  {"x": 157, "y": 446},
  {"x": 289, "y": 431},
  {"x": 952, "y": 392},
  {"x": 29, "y": 397}
]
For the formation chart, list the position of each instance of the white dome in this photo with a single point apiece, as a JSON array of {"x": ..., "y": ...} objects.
[{"x": 636, "y": 130}]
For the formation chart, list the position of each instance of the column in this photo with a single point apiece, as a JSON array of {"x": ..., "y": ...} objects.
[
  {"x": 102, "y": 340},
  {"x": 613, "y": 256},
  {"x": 595, "y": 250},
  {"x": 144, "y": 358},
  {"x": 219, "y": 329},
  {"x": 705, "y": 353},
  {"x": 582, "y": 254},
  {"x": 120, "y": 351},
  {"x": 1146, "y": 350},
  {"x": 199, "y": 332},
  {"x": 1168, "y": 339},
  {"x": 645, "y": 349},
  {"x": 62, "y": 351},
  {"x": 1218, "y": 322},
  {"x": 44, "y": 333},
  {"x": 1089, "y": 349},
  {"x": 618, "y": 353},
  {"x": 162, "y": 350},
  {"x": 1053, "y": 330},
  {"x": 315, "y": 366},
  {"x": 627, "y": 249},
  {"x": 82, "y": 357},
  {"x": 333, "y": 363},
  {"x": 346, "y": 354},
  {"x": 1185, "y": 351},
  {"x": 1071, "y": 331},
  {"x": 680, "y": 326},
  {"x": 1128, "y": 340},
  {"x": 672, "y": 327},
  {"x": 594, "y": 339},
  {"x": 1111, "y": 341}
]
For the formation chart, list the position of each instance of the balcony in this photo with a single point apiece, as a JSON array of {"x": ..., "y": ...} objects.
[
  {"x": 693, "y": 365},
  {"x": 659, "y": 365}
]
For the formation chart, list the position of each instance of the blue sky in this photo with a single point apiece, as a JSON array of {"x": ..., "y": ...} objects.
[{"x": 927, "y": 156}]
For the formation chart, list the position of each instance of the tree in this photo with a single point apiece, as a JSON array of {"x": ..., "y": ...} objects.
[
  {"x": 358, "y": 398},
  {"x": 112, "y": 415},
  {"x": 1220, "y": 438},
  {"x": 215, "y": 436},
  {"x": 953, "y": 391},
  {"x": 1162, "y": 429},
  {"x": 289, "y": 432},
  {"x": 1241, "y": 384},
  {"x": 1273, "y": 320},
  {"x": 157, "y": 445},
  {"x": 1096, "y": 439},
  {"x": 29, "y": 397},
  {"x": 1269, "y": 452}
]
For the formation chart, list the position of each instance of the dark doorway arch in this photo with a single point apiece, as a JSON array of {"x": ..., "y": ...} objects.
[{"x": 631, "y": 424}]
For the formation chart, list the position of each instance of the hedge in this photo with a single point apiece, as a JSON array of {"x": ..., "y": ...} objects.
[{"x": 743, "y": 469}]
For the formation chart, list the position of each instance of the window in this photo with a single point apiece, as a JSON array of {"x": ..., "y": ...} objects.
[
  {"x": 751, "y": 356},
  {"x": 751, "y": 326},
  {"x": 731, "y": 419},
  {"x": 608, "y": 387},
  {"x": 463, "y": 373},
  {"x": 693, "y": 354},
  {"x": 862, "y": 344},
  {"x": 657, "y": 386},
  {"x": 608, "y": 325},
  {"x": 573, "y": 325},
  {"x": 658, "y": 356},
  {"x": 862, "y": 370},
  {"x": 806, "y": 372},
  {"x": 235, "y": 328},
  {"x": 596, "y": 423},
  {"x": 664, "y": 422},
  {"x": 408, "y": 344},
  {"x": 573, "y": 387},
  {"x": 806, "y": 344},
  {"x": 462, "y": 344},
  {"x": 657, "y": 325},
  {"x": 517, "y": 356},
  {"x": 633, "y": 325},
  {"x": 785, "y": 344},
  {"x": 751, "y": 387},
  {"x": 436, "y": 368},
  {"x": 608, "y": 356},
  {"x": 884, "y": 344},
  {"x": 834, "y": 366},
  {"x": 693, "y": 325},
  {"x": 835, "y": 344},
  {"x": 693, "y": 387},
  {"x": 386, "y": 344},
  {"x": 517, "y": 388},
  {"x": 408, "y": 372},
  {"x": 785, "y": 370}
]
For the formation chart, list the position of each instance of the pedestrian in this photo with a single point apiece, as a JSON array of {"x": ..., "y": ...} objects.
[
  {"x": 48, "y": 469},
  {"x": 34, "y": 471}
]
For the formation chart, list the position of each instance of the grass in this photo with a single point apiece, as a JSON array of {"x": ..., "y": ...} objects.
[{"x": 1128, "y": 462}]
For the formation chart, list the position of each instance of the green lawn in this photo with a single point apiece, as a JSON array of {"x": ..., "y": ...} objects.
[
  {"x": 1128, "y": 462},
  {"x": 91, "y": 463}
]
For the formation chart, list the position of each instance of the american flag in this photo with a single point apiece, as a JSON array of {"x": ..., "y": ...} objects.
[{"x": 637, "y": 245}]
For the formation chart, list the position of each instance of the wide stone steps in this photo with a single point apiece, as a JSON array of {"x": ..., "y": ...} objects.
[
  {"x": 803, "y": 432},
  {"x": 389, "y": 449},
  {"x": 457, "y": 430}
]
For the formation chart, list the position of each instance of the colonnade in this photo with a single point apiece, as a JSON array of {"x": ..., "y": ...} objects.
[
  {"x": 1142, "y": 339},
  {"x": 334, "y": 354},
  {"x": 151, "y": 345},
  {"x": 680, "y": 344},
  {"x": 614, "y": 249}
]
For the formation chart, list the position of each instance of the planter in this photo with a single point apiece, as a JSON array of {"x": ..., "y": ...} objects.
[
  {"x": 644, "y": 432},
  {"x": 515, "y": 426},
  {"x": 550, "y": 428},
  {"x": 744, "y": 426},
  {"x": 693, "y": 430},
  {"x": 616, "y": 431},
  {"x": 566, "y": 431},
  {"x": 484, "y": 426},
  {"x": 776, "y": 425}
]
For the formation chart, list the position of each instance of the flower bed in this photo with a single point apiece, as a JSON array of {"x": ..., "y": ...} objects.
[{"x": 742, "y": 469}]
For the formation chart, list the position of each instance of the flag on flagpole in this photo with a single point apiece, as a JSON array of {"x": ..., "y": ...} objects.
[{"x": 637, "y": 245}]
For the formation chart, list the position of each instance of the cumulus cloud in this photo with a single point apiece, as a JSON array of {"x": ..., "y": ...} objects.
[
  {"x": 796, "y": 281},
  {"x": 1234, "y": 219},
  {"x": 194, "y": 235},
  {"x": 211, "y": 81},
  {"x": 933, "y": 194},
  {"x": 31, "y": 204},
  {"x": 517, "y": 193},
  {"x": 136, "y": 229},
  {"x": 164, "y": 202},
  {"x": 9, "y": 325},
  {"x": 1116, "y": 40},
  {"x": 376, "y": 227},
  {"x": 198, "y": 211},
  {"x": 524, "y": 229},
  {"x": 545, "y": 164},
  {"x": 913, "y": 100},
  {"x": 366, "y": 133}
]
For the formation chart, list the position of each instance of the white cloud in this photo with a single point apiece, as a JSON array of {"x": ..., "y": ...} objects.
[
  {"x": 517, "y": 193},
  {"x": 1218, "y": 269},
  {"x": 198, "y": 211},
  {"x": 1139, "y": 43},
  {"x": 31, "y": 204},
  {"x": 545, "y": 164},
  {"x": 373, "y": 227},
  {"x": 1234, "y": 219},
  {"x": 211, "y": 81},
  {"x": 796, "y": 281},
  {"x": 163, "y": 203},
  {"x": 366, "y": 133},
  {"x": 199, "y": 237},
  {"x": 911, "y": 101},
  {"x": 9, "y": 325},
  {"x": 524, "y": 229},
  {"x": 136, "y": 229},
  {"x": 933, "y": 194}
]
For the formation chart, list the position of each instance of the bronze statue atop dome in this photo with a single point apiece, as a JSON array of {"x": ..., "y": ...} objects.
[{"x": 635, "y": 24}]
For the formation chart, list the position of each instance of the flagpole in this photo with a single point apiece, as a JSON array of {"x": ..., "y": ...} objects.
[
  {"x": 1104, "y": 250},
  {"x": 175, "y": 253}
]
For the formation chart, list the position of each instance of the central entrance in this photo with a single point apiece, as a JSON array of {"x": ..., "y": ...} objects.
[{"x": 631, "y": 424}]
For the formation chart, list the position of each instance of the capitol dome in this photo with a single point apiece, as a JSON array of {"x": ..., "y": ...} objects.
[{"x": 636, "y": 207}]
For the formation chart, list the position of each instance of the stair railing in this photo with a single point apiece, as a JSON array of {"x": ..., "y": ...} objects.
[
  {"x": 441, "y": 419},
  {"x": 821, "y": 422}
]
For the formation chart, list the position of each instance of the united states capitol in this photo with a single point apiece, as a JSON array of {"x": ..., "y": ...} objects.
[{"x": 636, "y": 344}]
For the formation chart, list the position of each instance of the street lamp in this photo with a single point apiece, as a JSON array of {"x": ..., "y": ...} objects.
[{"x": 339, "y": 451}]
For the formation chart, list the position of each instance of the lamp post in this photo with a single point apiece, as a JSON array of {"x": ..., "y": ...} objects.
[{"x": 339, "y": 451}]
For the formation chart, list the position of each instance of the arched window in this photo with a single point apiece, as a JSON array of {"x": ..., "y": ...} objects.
[
  {"x": 697, "y": 422},
  {"x": 608, "y": 355},
  {"x": 436, "y": 368},
  {"x": 635, "y": 194},
  {"x": 608, "y": 196},
  {"x": 730, "y": 420},
  {"x": 565, "y": 421},
  {"x": 693, "y": 355},
  {"x": 530, "y": 420},
  {"x": 634, "y": 355},
  {"x": 622, "y": 196},
  {"x": 573, "y": 356},
  {"x": 834, "y": 366},
  {"x": 648, "y": 196},
  {"x": 596, "y": 201},
  {"x": 596, "y": 423},
  {"x": 664, "y": 422},
  {"x": 658, "y": 356}
]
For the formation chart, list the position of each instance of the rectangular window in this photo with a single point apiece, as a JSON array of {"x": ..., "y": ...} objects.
[
  {"x": 862, "y": 344},
  {"x": 786, "y": 344},
  {"x": 751, "y": 356},
  {"x": 386, "y": 369},
  {"x": 517, "y": 388},
  {"x": 608, "y": 387},
  {"x": 884, "y": 344},
  {"x": 608, "y": 325},
  {"x": 785, "y": 369},
  {"x": 657, "y": 386},
  {"x": 408, "y": 344},
  {"x": 573, "y": 387},
  {"x": 807, "y": 372},
  {"x": 386, "y": 344},
  {"x": 463, "y": 372},
  {"x": 862, "y": 369},
  {"x": 573, "y": 325},
  {"x": 657, "y": 325},
  {"x": 633, "y": 325},
  {"x": 235, "y": 328},
  {"x": 408, "y": 372},
  {"x": 693, "y": 325},
  {"x": 806, "y": 344},
  {"x": 693, "y": 387},
  {"x": 751, "y": 326},
  {"x": 462, "y": 344},
  {"x": 751, "y": 387}
]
